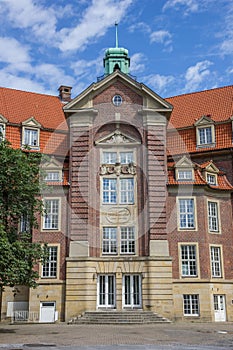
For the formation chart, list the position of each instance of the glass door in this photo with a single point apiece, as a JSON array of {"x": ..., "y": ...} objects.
[
  {"x": 131, "y": 295},
  {"x": 106, "y": 291}
]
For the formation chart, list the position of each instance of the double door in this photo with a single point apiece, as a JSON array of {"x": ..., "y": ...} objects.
[{"x": 131, "y": 291}]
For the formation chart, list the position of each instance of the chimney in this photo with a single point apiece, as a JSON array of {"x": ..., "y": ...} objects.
[{"x": 65, "y": 93}]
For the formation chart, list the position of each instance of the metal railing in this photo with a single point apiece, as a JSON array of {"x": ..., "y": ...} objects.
[{"x": 24, "y": 316}]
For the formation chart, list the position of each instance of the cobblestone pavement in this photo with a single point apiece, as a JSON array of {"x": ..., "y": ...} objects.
[{"x": 175, "y": 336}]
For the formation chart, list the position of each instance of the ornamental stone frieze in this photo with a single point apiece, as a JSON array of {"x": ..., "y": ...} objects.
[{"x": 118, "y": 169}]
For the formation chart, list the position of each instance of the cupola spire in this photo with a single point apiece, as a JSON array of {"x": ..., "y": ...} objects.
[
  {"x": 116, "y": 58},
  {"x": 116, "y": 28}
]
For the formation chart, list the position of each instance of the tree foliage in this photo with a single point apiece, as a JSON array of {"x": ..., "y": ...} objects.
[{"x": 20, "y": 187}]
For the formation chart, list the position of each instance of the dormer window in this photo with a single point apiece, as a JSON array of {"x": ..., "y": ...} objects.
[
  {"x": 52, "y": 170},
  {"x": 211, "y": 179},
  {"x": 186, "y": 174},
  {"x": 31, "y": 133},
  {"x": 53, "y": 176},
  {"x": 31, "y": 137},
  {"x": 205, "y": 132},
  {"x": 184, "y": 169},
  {"x": 205, "y": 135}
]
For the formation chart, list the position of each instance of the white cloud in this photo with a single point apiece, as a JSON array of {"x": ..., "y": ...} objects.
[
  {"x": 160, "y": 83},
  {"x": 137, "y": 63},
  {"x": 140, "y": 26},
  {"x": 52, "y": 76},
  {"x": 195, "y": 75},
  {"x": 20, "y": 83},
  {"x": 162, "y": 37},
  {"x": 188, "y": 5},
  {"x": 26, "y": 14},
  {"x": 13, "y": 52},
  {"x": 98, "y": 17},
  {"x": 226, "y": 46}
]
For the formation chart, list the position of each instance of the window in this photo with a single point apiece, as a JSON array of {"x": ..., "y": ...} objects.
[
  {"x": 109, "y": 191},
  {"x": 216, "y": 262},
  {"x": 205, "y": 135},
  {"x": 113, "y": 235},
  {"x": 191, "y": 304},
  {"x": 109, "y": 157},
  {"x": 109, "y": 240},
  {"x": 114, "y": 157},
  {"x": 125, "y": 194},
  {"x": 51, "y": 215},
  {"x": 127, "y": 240},
  {"x": 24, "y": 223},
  {"x": 2, "y": 132},
  {"x": 127, "y": 191},
  {"x": 211, "y": 179},
  {"x": 49, "y": 269},
  {"x": 117, "y": 100},
  {"x": 188, "y": 260},
  {"x": 185, "y": 175},
  {"x": 186, "y": 213},
  {"x": 31, "y": 137},
  {"x": 126, "y": 157},
  {"x": 213, "y": 217},
  {"x": 52, "y": 176}
]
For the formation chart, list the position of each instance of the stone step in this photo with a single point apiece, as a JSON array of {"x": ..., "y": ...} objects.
[{"x": 118, "y": 317}]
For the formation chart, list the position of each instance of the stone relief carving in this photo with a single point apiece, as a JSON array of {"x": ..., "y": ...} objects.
[
  {"x": 118, "y": 169},
  {"x": 117, "y": 137},
  {"x": 117, "y": 215}
]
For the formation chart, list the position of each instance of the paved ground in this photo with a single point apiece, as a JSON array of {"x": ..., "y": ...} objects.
[{"x": 94, "y": 337}]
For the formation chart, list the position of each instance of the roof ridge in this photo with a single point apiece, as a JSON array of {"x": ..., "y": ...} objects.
[
  {"x": 28, "y": 92},
  {"x": 198, "y": 92}
]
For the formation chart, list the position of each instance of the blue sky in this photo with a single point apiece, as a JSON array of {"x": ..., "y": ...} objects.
[{"x": 175, "y": 46}]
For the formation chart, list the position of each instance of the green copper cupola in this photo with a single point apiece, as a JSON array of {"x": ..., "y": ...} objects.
[{"x": 116, "y": 58}]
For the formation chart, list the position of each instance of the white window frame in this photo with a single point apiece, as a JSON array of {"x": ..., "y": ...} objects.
[
  {"x": 186, "y": 214},
  {"x": 213, "y": 216},
  {"x": 184, "y": 174},
  {"x": 114, "y": 156},
  {"x": 2, "y": 131},
  {"x": 128, "y": 296},
  {"x": 191, "y": 305},
  {"x": 104, "y": 292},
  {"x": 216, "y": 261},
  {"x": 112, "y": 241},
  {"x": 52, "y": 214},
  {"x": 53, "y": 175},
  {"x": 109, "y": 240},
  {"x": 211, "y": 179},
  {"x": 188, "y": 260},
  {"x": 32, "y": 142},
  {"x": 122, "y": 190},
  {"x": 50, "y": 268},
  {"x": 203, "y": 135},
  {"x": 127, "y": 240}
]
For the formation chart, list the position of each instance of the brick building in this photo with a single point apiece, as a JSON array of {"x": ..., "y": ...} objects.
[{"x": 140, "y": 212}]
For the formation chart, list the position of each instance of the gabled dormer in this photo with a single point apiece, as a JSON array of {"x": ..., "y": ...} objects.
[
  {"x": 205, "y": 132},
  {"x": 184, "y": 169},
  {"x": 31, "y": 133},
  {"x": 53, "y": 170},
  {"x": 3, "y": 122},
  {"x": 211, "y": 174}
]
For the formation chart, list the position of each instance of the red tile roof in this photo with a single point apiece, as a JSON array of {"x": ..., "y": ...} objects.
[
  {"x": 17, "y": 106},
  {"x": 199, "y": 179},
  {"x": 188, "y": 108}
]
